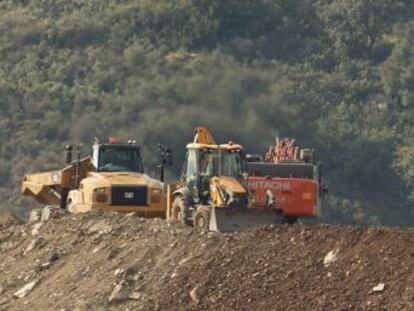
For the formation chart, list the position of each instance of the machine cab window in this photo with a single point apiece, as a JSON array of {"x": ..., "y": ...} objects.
[
  {"x": 191, "y": 167},
  {"x": 209, "y": 160},
  {"x": 117, "y": 158},
  {"x": 232, "y": 163}
]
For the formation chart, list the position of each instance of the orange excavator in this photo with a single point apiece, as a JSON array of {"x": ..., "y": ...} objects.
[{"x": 288, "y": 179}]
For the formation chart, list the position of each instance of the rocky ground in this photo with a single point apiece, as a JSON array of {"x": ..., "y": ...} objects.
[{"x": 122, "y": 262}]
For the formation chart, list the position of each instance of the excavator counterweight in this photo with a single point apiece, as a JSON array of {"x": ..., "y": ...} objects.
[{"x": 287, "y": 179}]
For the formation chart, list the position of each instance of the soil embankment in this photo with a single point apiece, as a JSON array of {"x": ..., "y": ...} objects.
[{"x": 121, "y": 262}]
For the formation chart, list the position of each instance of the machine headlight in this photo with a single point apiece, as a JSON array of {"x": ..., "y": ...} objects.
[
  {"x": 307, "y": 196},
  {"x": 156, "y": 195},
  {"x": 100, "y": 195},
  {"x": 156, "y": 191}
]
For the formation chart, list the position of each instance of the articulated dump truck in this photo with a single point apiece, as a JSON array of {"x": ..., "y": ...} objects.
[
  {"x": 112, "y": 179},
  {"x": 209, "y": 194}
]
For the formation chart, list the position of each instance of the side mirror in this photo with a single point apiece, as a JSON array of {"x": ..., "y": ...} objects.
[
  {"x": 169, "y": 159},
  {"x": 165, "y": 155},
  {"x": 159, "y": 173},
  {"x": 325, "y": 190},
  {"x": 68, "y": 154}
]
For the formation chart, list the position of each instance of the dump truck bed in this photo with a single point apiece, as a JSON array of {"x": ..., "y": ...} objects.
[{"x": 46, "y": 187}]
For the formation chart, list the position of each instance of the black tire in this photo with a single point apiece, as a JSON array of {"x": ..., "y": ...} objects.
[
  {"x": 279, "y": 217},
  {"x": 201, "y": 220},
  {"x": 63, "y": 198},
  {"x": 180, "y": 211},
  {"x": 291, "y": 220}
]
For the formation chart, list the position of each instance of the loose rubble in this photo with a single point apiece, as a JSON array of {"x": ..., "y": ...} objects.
[
  {"x": 119, "y": 293},
  {"x": 111, "y": 262},
  {"x": 198, "y": 292},
  {"x": 36, "y": 229},
  {"x": 330, "y": 257},
  {"x": 379, "y": 288},
  {"x": 22, "y": 292}
]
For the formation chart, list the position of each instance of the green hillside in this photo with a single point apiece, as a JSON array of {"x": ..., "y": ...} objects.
[{"x": 336, "y": 74}]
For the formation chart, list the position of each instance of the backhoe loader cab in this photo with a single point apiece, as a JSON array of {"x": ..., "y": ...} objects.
[{"x": 203, "y": 163}]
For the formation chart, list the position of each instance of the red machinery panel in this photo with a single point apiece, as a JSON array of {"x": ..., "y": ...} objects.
[
  {"x": 294, "y": 196},
  {"x": 287, "y": 176}
]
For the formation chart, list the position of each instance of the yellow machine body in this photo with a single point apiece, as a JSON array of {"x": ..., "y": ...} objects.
[
  {"x": 209, "y": 194},
  {"x": 98, "y": 191},
  {"x": 85, "y": 186}
]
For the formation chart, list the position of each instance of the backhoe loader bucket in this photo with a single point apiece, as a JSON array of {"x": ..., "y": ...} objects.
[{"x": 236, "y": 219}]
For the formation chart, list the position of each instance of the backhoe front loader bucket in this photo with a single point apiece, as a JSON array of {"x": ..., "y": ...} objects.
[{"x": 236, "y": 219}]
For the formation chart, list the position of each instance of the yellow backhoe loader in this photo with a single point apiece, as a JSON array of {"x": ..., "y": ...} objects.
[
  {"x": 112, "y": 179},
  {"x": 209, "y": 194}
]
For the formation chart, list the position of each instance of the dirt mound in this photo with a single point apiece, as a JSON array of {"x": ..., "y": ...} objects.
[
  {"x": 6, "y": 220},
  {"x": 121, "y": 262}
]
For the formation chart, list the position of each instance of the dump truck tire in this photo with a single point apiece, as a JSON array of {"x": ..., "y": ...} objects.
[
  {"x": 63, "y": 198},
  {"x": 201, "y": 219},
  {"x": 180, "y": 211}
]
